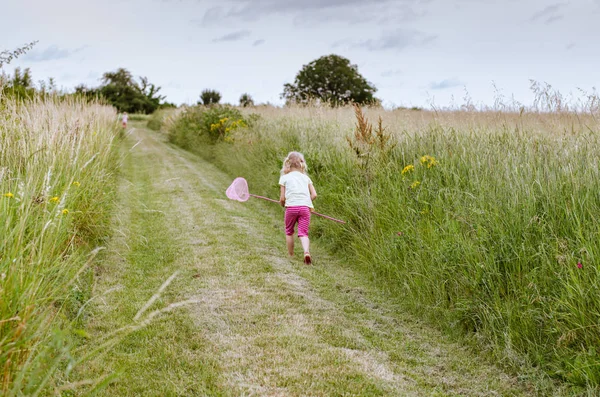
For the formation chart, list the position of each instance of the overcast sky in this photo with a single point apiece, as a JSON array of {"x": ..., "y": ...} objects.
[{"x": 414, "y": 51}]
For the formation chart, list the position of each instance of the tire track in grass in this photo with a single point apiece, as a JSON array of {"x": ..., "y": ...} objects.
[
  {"x": 169, "y": 357},
  {"x": 267, "y": 345},
  {"x": 263, "y": 324}
]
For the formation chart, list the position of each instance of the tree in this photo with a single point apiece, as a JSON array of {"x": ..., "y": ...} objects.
[
  {"x": 246, "y": 100},
  {"x": 209, "y": 97},
  {"x": 121, "y": 90},
  {"x": 7, "y": 56},
  {"x": 151, "y": 93},
  {"x": 20, "y": 85},
  {"x": 331, "y": 79}
]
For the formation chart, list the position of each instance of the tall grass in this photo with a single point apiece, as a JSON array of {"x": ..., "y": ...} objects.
[
  {"x": 484, "y": 222},
  {"x": 161, "y": 117},
  {"x": 57, "y": 163}
]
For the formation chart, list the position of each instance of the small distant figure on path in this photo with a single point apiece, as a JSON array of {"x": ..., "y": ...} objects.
[
  {"x": 124, "y": 118},
  {"x": 297, "y": 195}
]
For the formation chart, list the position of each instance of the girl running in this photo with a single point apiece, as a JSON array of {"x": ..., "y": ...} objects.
[{"x": 297, "y": 194}]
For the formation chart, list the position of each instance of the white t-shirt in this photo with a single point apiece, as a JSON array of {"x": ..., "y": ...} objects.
[
  {"x": 124, "y": 118},
  {"x": 296, "y": 189}
]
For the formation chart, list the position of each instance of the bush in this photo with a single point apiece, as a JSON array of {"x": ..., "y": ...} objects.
[
  {"x": 200, "y": 125},
  {"x": 157, "y": 119},
  {"x": 155, "y": 122},
  {"x": 209, "y": 97},
  {"x": 246, "y": 100},
  {"x": 139, "y": 117}
]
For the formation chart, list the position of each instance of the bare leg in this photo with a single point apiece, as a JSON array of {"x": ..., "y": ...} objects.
[
  {"x": 305, "y": 243},
  {"x": 289, "y": 240}
]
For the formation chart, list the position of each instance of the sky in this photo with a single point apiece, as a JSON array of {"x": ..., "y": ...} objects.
[{"x": 416, "y": 52}]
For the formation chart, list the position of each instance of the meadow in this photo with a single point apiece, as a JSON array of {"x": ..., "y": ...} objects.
[
  {"x": 483, "y": 222},
  {"x": 57, "y": 174}
]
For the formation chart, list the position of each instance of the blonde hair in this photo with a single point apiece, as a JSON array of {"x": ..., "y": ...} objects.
[{"x": 294, "y": 160}]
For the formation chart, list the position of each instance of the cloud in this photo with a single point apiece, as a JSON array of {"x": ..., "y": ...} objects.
[
  {"x": 382, "y": 14},
  {"x": 391, "y": 73},
  {"x": 316, "y": 12},
  {"x": 258, "y": 42},
  {"x": 211, "y": 15},
  {"x": 398, "y": 40},
  {"x": 549, "y": 11},
  {"x": 253, "y": 8},
  {"x": 235, "y": 36},
  {"x": 51, "y": 53},
  {"x": 554, "y": 19},
  {"x": 444, "y": 84}
]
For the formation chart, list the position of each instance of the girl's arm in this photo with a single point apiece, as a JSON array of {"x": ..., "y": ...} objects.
[
  {"x": 282, "y": 195},
  {"x": 313, "y": 192}
]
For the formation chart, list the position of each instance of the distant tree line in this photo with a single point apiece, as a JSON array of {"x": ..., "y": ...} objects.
[
  {"x": 330, "y": 79},
  {"x": 118, "y": 88},
  {"x": 210, "y": 97}
]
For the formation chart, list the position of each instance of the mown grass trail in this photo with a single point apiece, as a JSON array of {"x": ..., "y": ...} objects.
[{"x": 261, "y": 324}]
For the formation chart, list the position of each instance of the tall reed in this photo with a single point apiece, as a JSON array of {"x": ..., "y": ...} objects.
[{"x": 57, "y": 164}]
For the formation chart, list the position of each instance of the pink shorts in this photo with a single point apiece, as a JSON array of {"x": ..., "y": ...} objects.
[{"x": 300, "y": 215}]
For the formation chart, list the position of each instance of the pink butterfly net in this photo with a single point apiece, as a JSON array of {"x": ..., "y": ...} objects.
[{"x": 238, "y": 191}]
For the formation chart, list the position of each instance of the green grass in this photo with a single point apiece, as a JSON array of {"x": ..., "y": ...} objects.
[
  {"x": 152, "y": 360},
  {"x": 490, "y": 238},
  {"x": 139, "y": 117},
  {"x": 146, "y": 358}
]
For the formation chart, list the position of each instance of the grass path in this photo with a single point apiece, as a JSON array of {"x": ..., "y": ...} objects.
[{"x": 261, "y": 324}]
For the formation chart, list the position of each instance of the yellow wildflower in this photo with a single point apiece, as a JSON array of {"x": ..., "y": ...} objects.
[
  {"x": 76, "y": 184},
  {"x": 429, "y": 161},
  {"x": 54, "y": 199},
  {"x": 65, "y": 211},
  {"x": 408, "y": 169},
  {"x": 415, "y": 184},
  {"x": 9, "y": 195}
]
